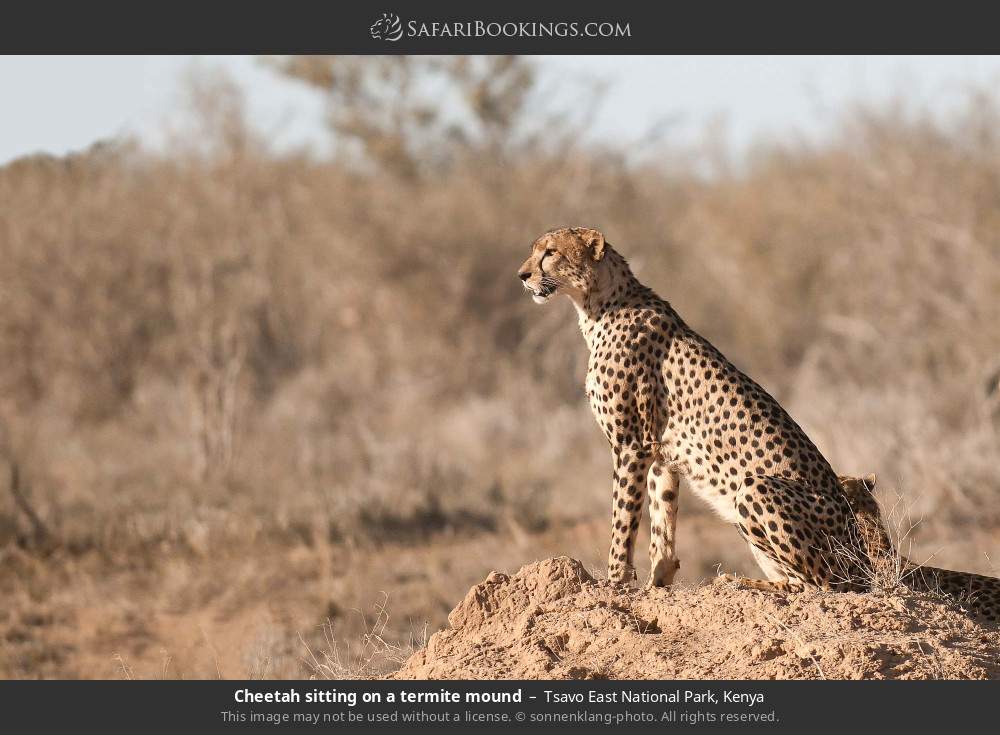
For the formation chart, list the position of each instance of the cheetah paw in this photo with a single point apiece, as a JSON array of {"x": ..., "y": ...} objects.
[
  {"x": 726, "y": 579},
  {"x": 625, "y": 578}
]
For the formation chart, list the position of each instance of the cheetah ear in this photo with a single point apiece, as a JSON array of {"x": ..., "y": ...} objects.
[
  {"x": 593, "y": 240},
  {"x": 870, "y": 481}
]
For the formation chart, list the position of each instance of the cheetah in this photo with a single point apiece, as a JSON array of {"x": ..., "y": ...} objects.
[
  {"x": 672, "y": 406},
  {"x": 976, "y": 592}
]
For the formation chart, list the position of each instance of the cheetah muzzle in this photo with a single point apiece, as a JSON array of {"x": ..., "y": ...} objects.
[{"x": 672, "y": 406}]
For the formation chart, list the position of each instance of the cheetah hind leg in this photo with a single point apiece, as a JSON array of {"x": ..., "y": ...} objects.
[
  {"x": 761, "y": 585},
  {"x": 777, "y": 580},
  {"x": 792, "y": 529}
]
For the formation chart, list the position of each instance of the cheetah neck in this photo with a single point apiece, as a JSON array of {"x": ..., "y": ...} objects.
[{"x": 614, "y": 286}]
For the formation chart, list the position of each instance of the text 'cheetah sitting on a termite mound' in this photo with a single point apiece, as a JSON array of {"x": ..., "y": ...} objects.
[{"x": 672, "y": 406}]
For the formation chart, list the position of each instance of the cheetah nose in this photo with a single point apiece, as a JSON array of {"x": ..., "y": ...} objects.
[{"x": 524, "y": 275}]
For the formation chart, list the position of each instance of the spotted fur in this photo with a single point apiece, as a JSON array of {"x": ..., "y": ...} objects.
[
  {"x": 978, "y": 593},
  {"x": 672, "y": 406}
]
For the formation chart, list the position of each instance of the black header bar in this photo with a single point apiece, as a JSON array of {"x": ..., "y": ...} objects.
[{"x": 454, "y": 27}]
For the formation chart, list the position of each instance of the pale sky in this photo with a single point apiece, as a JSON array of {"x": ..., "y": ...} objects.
[{"x": 57, "y": 104}]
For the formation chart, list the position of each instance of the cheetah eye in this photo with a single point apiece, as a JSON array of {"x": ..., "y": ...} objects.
[{"x": 549, "y": 252}]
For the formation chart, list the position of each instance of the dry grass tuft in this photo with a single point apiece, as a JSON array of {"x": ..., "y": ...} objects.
[{"x": 372, "y": 656}]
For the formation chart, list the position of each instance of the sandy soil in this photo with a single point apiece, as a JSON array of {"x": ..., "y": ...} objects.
[{"x": 553, "y": 620}]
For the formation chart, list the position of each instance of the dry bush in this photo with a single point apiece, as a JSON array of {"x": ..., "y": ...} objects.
[
  {"x": 373, "y": 654},
  {"x": 221, "y": 342}
]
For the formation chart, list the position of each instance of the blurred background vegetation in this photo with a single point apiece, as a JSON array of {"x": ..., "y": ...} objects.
[{"x": 218, "y": 350}]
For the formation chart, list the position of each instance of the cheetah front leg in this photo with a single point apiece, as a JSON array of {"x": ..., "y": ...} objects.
[
  {"x": 663, "y": 489},
  {"x": 629, "y": 479}
]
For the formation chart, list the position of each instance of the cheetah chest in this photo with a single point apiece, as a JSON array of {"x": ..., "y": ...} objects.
[
  {"x": 625, "y": 392},
  {"x": 613, "y": 393}
]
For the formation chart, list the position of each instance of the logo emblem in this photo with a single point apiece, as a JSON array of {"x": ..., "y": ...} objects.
[{"x": 387, "y": 28}]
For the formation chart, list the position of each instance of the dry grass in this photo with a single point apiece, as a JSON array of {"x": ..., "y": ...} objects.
[
  {"x": 371, "y": 656},
  {"x": 878, "y": 555},
  {"x": 221, "y": 352}
]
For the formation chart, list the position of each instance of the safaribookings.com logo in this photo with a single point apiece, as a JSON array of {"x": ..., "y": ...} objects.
[
  {"x": 390, "y": 28},
  {"x": 387, "y": 28}
]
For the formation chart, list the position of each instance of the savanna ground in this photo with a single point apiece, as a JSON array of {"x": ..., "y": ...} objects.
[{"x": 268, "y": 414}]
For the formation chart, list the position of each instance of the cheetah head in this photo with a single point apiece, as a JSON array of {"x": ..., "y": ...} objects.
[
  {"x": 562, "y": 261},
  {"x": 859, "y": 492}
]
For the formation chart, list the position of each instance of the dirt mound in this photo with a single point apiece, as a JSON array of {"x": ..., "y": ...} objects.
[{"x": 553, "y": 620}]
